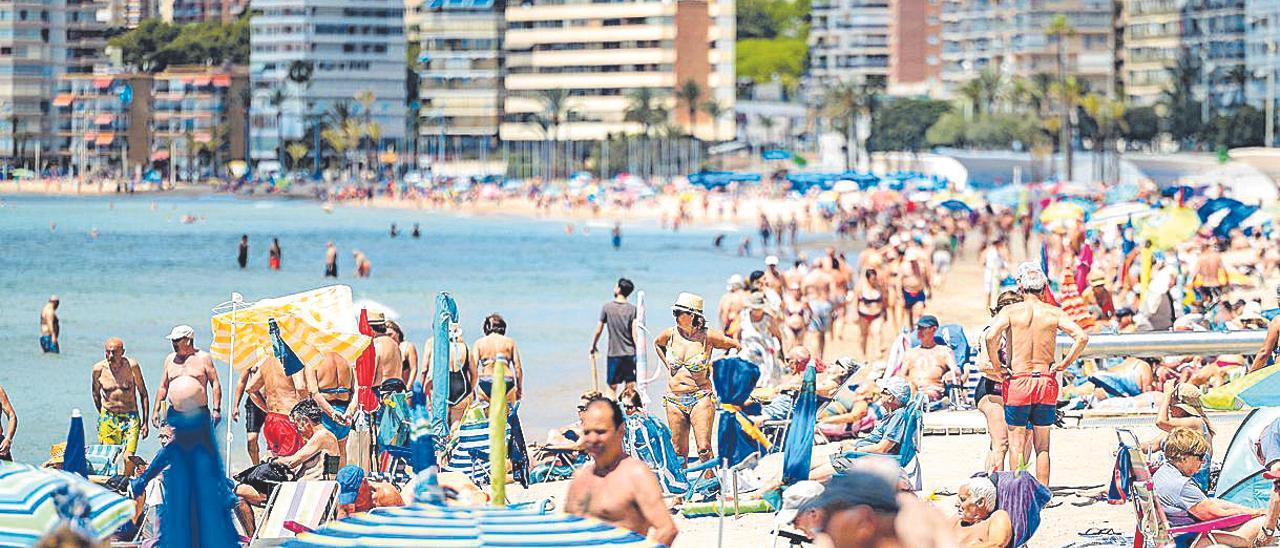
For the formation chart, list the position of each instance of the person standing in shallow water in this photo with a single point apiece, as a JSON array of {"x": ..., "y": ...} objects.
[
  {"x": 242, "y": 258},
  {"x": 617, "y": 236},
  {"x": 273, "y": 254},
  {"x": 49, "y": 326},
  {"x": 330, "y": 260}
]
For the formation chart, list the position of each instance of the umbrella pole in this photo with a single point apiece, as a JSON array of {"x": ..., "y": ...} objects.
[
  {"x": 236, "y": 299},
  {"x": 724, "y": 474}
]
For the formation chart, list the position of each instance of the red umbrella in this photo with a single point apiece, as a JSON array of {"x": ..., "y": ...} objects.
[{"x": 365, "y": 365}]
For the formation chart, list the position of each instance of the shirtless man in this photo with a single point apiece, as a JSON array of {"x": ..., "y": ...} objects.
[
  {"x": 980, "y": 524},
  {"x": 1031, "y": 391},
  {"x": 732, "y": 303},
  {"x": 187, "y": 379},
  {"x": 614, "y": 488},
  {"x": 49, "y": 327},
  {"x": 916, "y": 281},
  {"x": 119, "y": 392},
  {"x": 386, "y": 351},
  {"x": 331, "y": 384},
  {"x": 926, "y": 366},
  {"x": 10, "y": 428},
  {"x": 495, "y": 346},
  {"x": 818, "y": 287},
  {"x": 330, "y": 260},
  {"x": 277, "y": 393},
  {"x": 772, "y": 275},
  {"x": 1211, "y": 277}
]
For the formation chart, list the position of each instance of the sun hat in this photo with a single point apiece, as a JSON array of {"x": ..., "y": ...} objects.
[
  {"x": 771, "y": 260},
  {"x": 756, "y": 301},
  {"x": 377, "y": 317},
  {"x": 349, "y": 478},
  {"x": 181, "y": 332},
  {"x": 795, "y": 497},
  {"x": 735, "y": 281},
  {"x": 927, "y": 320},
  {"x": 1187, "y": 397},
  {"x": 688, "y": 302}
]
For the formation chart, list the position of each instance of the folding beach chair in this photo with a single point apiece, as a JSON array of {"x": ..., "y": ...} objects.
[
  {"x": 104, "y": 460},
  {"x": 1153, "y": 528},
  {"x": 308, "y": 504},
  {"x": 908, "y": 451}
]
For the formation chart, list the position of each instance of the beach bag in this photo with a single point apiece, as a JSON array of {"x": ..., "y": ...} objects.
[
  {"x": 264, "y": 476},
  {"x": 359, "y": 442}
]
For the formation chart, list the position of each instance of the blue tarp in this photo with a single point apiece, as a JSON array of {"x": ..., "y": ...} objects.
[{"x": 720, "y": 179}]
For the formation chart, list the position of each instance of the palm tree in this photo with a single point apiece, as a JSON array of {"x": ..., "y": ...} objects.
[
  {"x": 640, "y": 109},
  {"x": 189, "y": 148},
  {"x": 1238, "y": 75},
  {"x": 555, "y": 108},
  {"x": 1060, "y": 29},
  {"x": 297, "y": 152},
  {"x": 690, "y": 93},
  {"x": 1108, "y": 114},
  {"x": 366, "y": 99},
  {"x": 276, "y": 100},
  {"x": 847, "y": 101},
  {"x": 338, "y": 131},
  {"x": 714, "y": 111},
  {"x": 300, "y": 73},
  {"x": 991, "y": 86}
]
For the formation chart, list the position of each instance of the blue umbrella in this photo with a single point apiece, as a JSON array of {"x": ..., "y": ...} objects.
[
  {"x": 446, "y": 314},
  {"x": 73, "y": 459},
  {"x": 798, "y": 447},
  {"x": 430, "y": 525},
  {"x": 956, "y": 205},
  {"x": 1009, "y": 196},
  {"x": 35, "y": 501},
  {"x": 736, "y": 436},
  {"x": 287, "y": 357}
]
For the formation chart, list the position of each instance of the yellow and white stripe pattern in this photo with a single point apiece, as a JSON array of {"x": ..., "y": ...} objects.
[{"x": 312, "y": 323}]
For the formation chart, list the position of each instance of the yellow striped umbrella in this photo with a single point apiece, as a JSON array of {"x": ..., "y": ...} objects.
[{"x": 312, "y": 323}]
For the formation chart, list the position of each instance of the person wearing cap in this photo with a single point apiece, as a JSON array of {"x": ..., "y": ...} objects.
[
  {"x": 1270, "y": 344},
  {"x": 885, "y": 439},
  {"x": 188, "y": 379},
  {"x": 1182, "y": 408},
  {"x": 358, "y": 494},
  {"x": 732, "y": 303},
  {"x": 858, "y": 509},
  {"x": 386, "y": 351},
  {"x": 119, "y": 393},
  {"x": 686, "y": 350},
  {"x": 1031, "y": 391},
  {"x": 772, "y": 275},
  {"x": 49, "y": 326},
  {"x": 930, "y": 365},
  {"x": 794, "y": 498},
  {"x": 616, "y": 488},
  {"x": 1099, "y": 295},
  {"x": 980, "y": 523}
]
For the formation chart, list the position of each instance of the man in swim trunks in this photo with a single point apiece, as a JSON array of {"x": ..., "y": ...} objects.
[
  {"x": 620, "y": 317},
  {"x": 254, "y": 416},
  {"x": 1031, "y": 384},
  {"x": 276, "y": 392},
  {"x": 119, "y": 392},
  {"x": 10, "y": 428},
  {"x": 188, "y": 378},
  {"x": 916, "y": 279},
  {"x": 386, "y": 351},
  {"x": 731, "y": 304},
  {"x": 927, "y": 366},
  {"x": 331, "y": 384},
  {"x": 49, "y": 326},
  {"x": 330, "y": 260}
]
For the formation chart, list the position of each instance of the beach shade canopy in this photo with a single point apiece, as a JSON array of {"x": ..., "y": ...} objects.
[
  {"x": 1122, "y": 192},
  {"x": 1062, "y": 211},
  {"x": 35, "y": 501},
  {"x": 421, "y": 524},
  {"x": 884, "y": 198},
  {"x": 736, "y": 436},
  {"x": 312, "y": 323},
  {"x": 1169, "y": 227},
  {"x": 1260, "y": 388},
  {"x": 798, "y": 447},
  {"x": 1240, "y": 480}
]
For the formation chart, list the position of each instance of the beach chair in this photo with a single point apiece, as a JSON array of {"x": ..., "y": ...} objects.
[
  {"x": 297, "y": 505},
  {"x": 104, "y": 460},
  {"x": 1153, "y": 528},
  {"x": 909, "y": 449}
]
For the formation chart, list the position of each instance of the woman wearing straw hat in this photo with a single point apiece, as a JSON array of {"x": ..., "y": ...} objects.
[
  {"x": 686, "y": 350},
  {"x": 1182, "y": 408}
]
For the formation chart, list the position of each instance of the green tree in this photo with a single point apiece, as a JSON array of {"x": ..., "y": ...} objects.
[
  {"x": 297, "y": 151},
  {"x": 846, "y": 102},
  {"x": 641, "y": 110},
  {"x": 764, "y": 60},
  {"x": 1141, "y": 125},
  {"x": 1060, "y": 30},
  {"x": 690, "y": 94},
  {"x": 948, "y": 130},
  {"x": 715, "y": 111},
  {"x": 772, "y": 19},
  {"x": 155, "y": 45},
  {"x": 276, "y": 100},
  {"x": 1238, "y": 75},
  {"x": 1184, "y": 122},
  {"x": 902, "y": 125}
]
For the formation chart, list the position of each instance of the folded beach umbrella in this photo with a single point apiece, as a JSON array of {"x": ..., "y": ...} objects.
[
  {"x": 366, "y": 362},
  {"x": 798, "y": 447},
  {"x": 198, "y": 497},
  {"x": 429, "y": 525},
  {"x": 287, "y": 357},
  {"x": 73, "y": 459},
  {"x": 736, "y": 436},
  {"x": 312, "y": 323},
  {"x": 446, "y": 315},
  {"x": 35, "y": 501}
]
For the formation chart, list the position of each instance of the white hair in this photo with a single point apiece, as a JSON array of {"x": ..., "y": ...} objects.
[
  {"x": 982, "y": 492},
  {"x": 1031, "y": 278}
]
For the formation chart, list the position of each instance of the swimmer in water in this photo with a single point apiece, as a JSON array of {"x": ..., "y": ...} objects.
[{"x": 188, "y": 376}]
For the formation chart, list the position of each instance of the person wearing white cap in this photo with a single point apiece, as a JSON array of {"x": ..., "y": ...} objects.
[
  {"x": 188, "y": 378},
  {"x": 793, "y": 499},
  {"x": 772, "y": 275},
  {"x": 732, "y": 303},
  {"x": 686, "y": 349}
]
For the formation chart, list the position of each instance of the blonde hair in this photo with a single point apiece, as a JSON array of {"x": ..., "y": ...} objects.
[{"x": 1184, "y": 442}]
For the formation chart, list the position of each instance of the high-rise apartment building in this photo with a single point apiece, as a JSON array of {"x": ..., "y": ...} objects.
[
  {"x": 1214, "y": 35},
  {"x": 40, "y": 40},
  {"x": 460, "y": 69},
  {"x": 849, "y": 40},
  {"x": 1012, "y": 36},
  {"x": 1210, "y": 35},
  {"x": 915, "y": 47},
  {"x": 198, "y": 11},
  {"x": 1262, "y": 51},
  {"x": 351, "y": 48},
  {"x": 1152, "y": 43},
  {"x": 600, "y": 51}
]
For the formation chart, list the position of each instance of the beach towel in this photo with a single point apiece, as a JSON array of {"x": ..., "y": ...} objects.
[
  {"x": 1019, "y": 494},
  {"x": 1117, "y": 385},
  {"x": 516, "y": 448},
  {"x": 649, "y": 440},
  {"x": 393, "y": 420}
]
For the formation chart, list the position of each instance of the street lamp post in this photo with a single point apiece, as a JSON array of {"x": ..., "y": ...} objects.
[{"x": 1271, "y": 88}]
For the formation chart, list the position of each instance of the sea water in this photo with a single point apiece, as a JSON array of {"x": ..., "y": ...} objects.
[{"x": 147, "y": 271}]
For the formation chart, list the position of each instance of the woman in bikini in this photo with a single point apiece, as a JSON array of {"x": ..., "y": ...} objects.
[
  {"x": 463, "y": 373},
  {"x": 686, "y": 350},
  {"x": 495, "y": 346},
  {"x": 989, "y": 394},
  {"x": 870, "y": 308},
  {"x": 409, "y": 353}
]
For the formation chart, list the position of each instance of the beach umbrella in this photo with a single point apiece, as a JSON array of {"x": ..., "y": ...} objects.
[
  {"x": 798, "y": 447},
  {"x": 1061, "y": 211},
  {"x": 35, "y": 501},
  {"x": 1170, "y": 227},
  {"x": 198, "y": 497},
  {"x": 1010, "y": 196},
  {"x": 846, "y": 185},
  {"x": 956, "y": 205},
  {"x": 1116, "y": 214},
  {"x": 429, "y": 525},
  {"x": 1123, "y": 192},
  {"x": 884, "y": 198},
  {"x": 375, "y": 306},
  {"x": 73, "y": 459},
  {"x": 446, "y": 315},
  {"x": 1260, "y": 388},
  {"x": 736, "y": 436},
  {"x": 312, "y": 323}
]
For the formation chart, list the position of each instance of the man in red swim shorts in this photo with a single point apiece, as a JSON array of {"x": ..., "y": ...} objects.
[{"x": 1031, "y": 379}]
